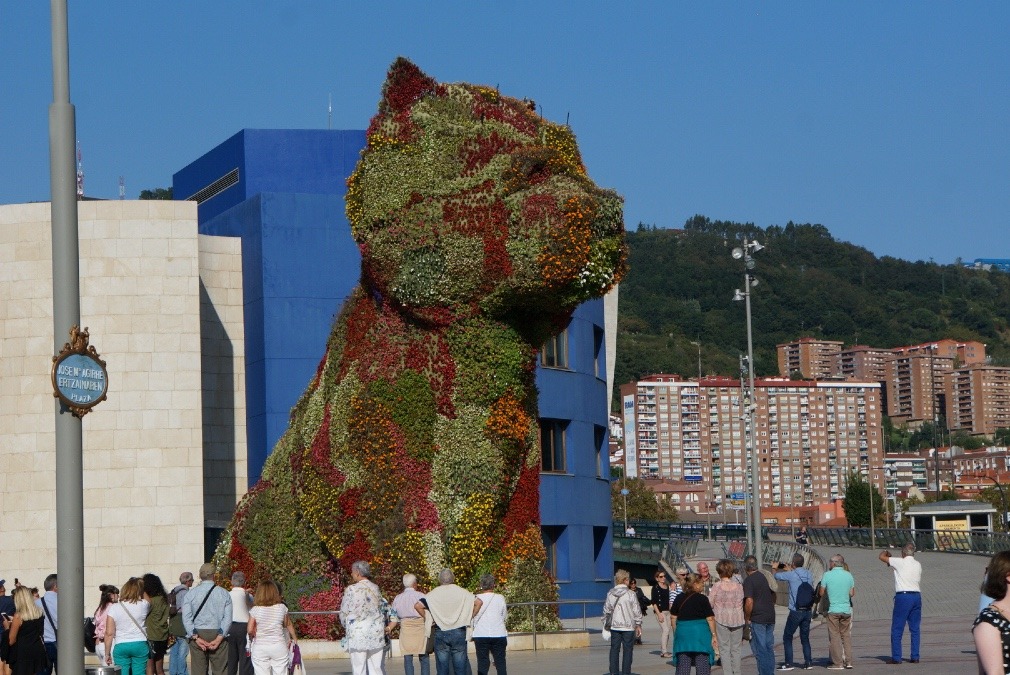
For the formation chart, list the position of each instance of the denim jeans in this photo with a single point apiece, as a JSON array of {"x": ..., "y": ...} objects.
[
  {"x": 486, "y": 648},
  {"x": 450, "y": 651},
  {"x": 177, "y": 657},
  {"x": 408, "y": 664},
  {"x": 618, "y": 639},
  {"x": 907, "y": 608},
  {"x": 762, "y": 645},
  {"x": 798, "y": 618}
]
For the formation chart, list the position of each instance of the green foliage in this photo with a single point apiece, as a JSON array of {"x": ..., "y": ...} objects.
[
  {"x": 490, "y": 360},
  {"x": 278, "y": 538},
  {"x": 156, "y": 193},
  {"x": 642, "y": 502},
  {"x": 857, "y": 501},
  {"x": 412, "y": 405},
  {"x": 528, "y": 582},
  {"x": 680, "y": 284}
]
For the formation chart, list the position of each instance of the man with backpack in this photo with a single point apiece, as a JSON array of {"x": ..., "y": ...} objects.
[{"x": 801, "y": 605}]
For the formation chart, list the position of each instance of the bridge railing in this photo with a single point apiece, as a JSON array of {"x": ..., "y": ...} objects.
[
  {"x": 657, "y": 530},
  {"x": 950, "y": 541}
]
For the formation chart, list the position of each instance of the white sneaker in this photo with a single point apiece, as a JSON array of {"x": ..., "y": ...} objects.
[
  {"x": 834, "y": 667},
  {"x": 785, "y": 666}
]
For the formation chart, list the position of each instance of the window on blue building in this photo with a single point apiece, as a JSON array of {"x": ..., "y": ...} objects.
[
  {"x": 602, "y": 563},
  {"x": 600, "y": 442},
  {"x": 552, "y": 445},
  {"x": 557, "y": 560},
  {"x": 555, "y": 351},
  {"x": 599, "y": 363}
]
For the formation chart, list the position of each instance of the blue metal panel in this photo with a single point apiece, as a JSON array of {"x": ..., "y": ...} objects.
[
  {"x": 207, "y": 169},
  {"x": 580, "y": 397}
]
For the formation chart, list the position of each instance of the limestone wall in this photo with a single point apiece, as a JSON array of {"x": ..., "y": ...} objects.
[{"x": 143, "y": 447}]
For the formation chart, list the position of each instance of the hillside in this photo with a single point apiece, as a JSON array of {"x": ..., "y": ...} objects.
[{"x": 679, "y": 290}]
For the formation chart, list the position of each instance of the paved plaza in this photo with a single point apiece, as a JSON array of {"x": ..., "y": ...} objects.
[{"x": 950, "y": 592}]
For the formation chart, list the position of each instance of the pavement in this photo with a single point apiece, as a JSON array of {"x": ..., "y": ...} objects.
[{"x": 950, "y": 592}]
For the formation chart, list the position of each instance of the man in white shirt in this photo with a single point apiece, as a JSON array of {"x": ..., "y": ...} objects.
[
  {"x": 239, "y": 662},
  {"x": 907, "y": 601}
]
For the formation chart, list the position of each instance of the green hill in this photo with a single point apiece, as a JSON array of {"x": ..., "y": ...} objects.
[{"x": 679, "y": 290}]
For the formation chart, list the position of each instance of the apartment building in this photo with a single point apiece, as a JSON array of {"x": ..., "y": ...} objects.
[
  {"x": 863, "y": 363},
  {"x": 905, "y": 474},
  {"x": 978, "y": 399},
  {"x": 915, "y": 386},
  {"x": 809, "y": 358},
  {"x": 917, "y": 377},
  {"x": 807, "y": 435}
]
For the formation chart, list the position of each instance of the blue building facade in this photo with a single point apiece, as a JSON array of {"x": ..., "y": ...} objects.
[
  {"x": 575, "y": 513},
  {"x": 282, "y": 192}
]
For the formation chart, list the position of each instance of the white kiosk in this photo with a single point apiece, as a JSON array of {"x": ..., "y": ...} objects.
[{"x": 948, "y": 525}]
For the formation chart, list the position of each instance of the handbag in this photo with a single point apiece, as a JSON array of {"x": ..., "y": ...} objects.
[
  {"x": 746, "y": 632},
  {"x": 89, "y": 634},
  {"x": 150, "y": 645}
]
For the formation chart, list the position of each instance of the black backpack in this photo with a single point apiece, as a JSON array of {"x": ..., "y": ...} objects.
[{"x": 805, "y": 596}]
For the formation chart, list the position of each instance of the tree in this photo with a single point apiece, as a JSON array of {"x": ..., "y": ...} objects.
[
  {"x": 857, "y": 501},
  {"x": 156, "y": 193},
  {"x": 993, "y": 495},
  {"x": 642, "y": 502}
]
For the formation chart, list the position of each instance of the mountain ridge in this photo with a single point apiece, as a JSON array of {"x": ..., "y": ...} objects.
[{"x": 680, "y": 285}]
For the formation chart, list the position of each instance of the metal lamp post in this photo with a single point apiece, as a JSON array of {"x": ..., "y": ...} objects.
[
  {"x": 744, "y": 253},
  {"x": 873, "y": 489}
]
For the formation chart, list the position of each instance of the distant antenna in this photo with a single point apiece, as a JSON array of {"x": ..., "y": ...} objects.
[
  {"x": 568, "y": 116},
  {"x": 329, "y": 113},
  {"x": 80, "y": 172},
  {"x": 122, "y": 188}
]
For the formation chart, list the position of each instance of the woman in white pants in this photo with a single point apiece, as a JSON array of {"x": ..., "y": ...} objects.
[{"x": 270, "y": 630}]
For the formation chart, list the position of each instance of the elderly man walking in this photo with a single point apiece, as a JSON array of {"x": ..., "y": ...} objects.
[
  {"x": 206, "y": 614},
  {"x": 451, "y": 608},
  {"x": 907, "y": 601},
  {"x": 840, "y": 587}
]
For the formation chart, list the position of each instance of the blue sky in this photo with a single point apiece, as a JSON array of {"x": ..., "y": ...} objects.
[{"x": 886, "y": 122}]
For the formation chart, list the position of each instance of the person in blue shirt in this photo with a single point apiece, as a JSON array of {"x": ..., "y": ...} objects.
[{"x": 799, "y": 617}]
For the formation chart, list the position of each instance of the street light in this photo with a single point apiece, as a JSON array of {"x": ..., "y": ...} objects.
[
  {"x": 698, "y": 345},
  {"x": 744, "y": 253},
  {"x": 873, "y": 488},
  {"x": 741, "y": 469}
]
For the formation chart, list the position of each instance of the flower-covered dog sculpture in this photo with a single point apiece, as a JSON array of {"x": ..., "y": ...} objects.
[{"x": 415, "y": 447}]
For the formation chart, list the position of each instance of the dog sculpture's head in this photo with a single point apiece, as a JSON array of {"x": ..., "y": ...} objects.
[{"x": 466, "y": 201}]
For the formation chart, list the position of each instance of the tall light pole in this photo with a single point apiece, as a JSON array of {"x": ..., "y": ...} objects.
[
  {"x": 742, "y": 468},
  {"x": 873, "y": 537},
  {"x": 698, "y": 345},
  {"x": 66, "y": 314},
  {"x": 744, "y": 253},
  {"x": 873, "y": 489}
]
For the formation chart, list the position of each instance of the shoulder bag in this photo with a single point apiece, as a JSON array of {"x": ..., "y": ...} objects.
[{"x": 150, "y": 645}]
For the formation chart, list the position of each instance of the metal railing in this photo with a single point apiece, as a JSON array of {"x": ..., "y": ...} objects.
[
  {"x": 656, "y": 530},
  {"x": 948, "y": 541},
  {"x": 514, "y": 608}
]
